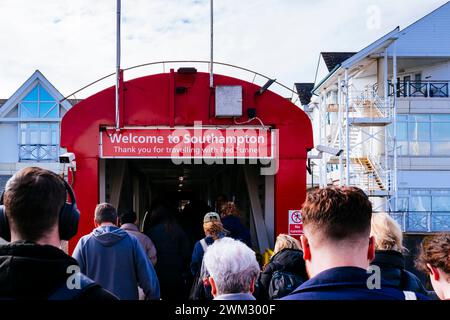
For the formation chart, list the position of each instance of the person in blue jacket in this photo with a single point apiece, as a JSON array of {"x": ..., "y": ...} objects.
[
  {"x": 338, "y": 248},
  {"x": 214, "y": 230},
  {"x": 231, "y": 222},
  {"x": 116, "y": 259}
]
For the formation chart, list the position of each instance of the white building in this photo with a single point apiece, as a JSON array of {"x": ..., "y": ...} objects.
[
  {"x": 387, "y": 107},
  {"x": 30, "y": 127}
]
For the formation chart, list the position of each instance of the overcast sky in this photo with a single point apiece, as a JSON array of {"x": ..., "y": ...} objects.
[{"x": 72, "y": 42}]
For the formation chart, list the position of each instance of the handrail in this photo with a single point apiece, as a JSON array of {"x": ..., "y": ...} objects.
[{"x": 180, "y": 61}]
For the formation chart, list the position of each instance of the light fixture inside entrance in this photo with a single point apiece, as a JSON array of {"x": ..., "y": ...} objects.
[
  {"x": 180, "y": 185},
  {"x": 181, "y": 178}
]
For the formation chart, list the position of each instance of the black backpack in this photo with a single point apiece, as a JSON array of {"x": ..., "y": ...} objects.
[
  {"x": 201, "y": 289},
  {"x": 283, "y": 283}
]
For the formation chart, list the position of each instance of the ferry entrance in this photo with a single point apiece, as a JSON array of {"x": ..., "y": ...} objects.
[
  {"x": 124, "y": 153},
  {"x": 193, "y": 190}
]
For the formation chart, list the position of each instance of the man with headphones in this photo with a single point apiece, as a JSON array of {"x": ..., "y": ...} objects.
[{"x": 35, "y": 217}]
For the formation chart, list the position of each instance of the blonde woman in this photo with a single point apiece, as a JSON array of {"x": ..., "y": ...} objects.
[
  {"x": 389, "y": 254},
  {"x": 229, "y": 214},
  {"x": 287, "y": 261}
]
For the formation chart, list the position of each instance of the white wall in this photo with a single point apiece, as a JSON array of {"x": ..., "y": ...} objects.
[
  {"x": 423, "y": 179},
  {"x": 9, "y": 151},
  {"x": 429, "y": 36},
  {"x": 437, "y": 72}
]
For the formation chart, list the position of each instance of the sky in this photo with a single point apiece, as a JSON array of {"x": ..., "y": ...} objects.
[{"x": 73, "y": 42}]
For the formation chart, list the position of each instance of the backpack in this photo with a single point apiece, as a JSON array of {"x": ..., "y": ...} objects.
[
  {"x": 283, "y": 283},
  {"x": 201, "y": 289}
]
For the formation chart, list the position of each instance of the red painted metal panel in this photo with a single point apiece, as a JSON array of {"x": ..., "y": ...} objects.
[{"x": 153, "y": 101}]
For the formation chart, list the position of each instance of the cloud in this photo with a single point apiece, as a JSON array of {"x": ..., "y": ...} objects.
[{"x": 73, "y": 42}]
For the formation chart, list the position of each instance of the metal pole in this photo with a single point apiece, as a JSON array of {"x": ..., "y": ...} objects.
[
  {"x": 117, "y": 62},
  {"x": 341, "y": 136},
  {"x": 347, "y": 133},
  {"x": 387, "y": 112},
  {"x": 321, "y": 116},
  {"x": 394, "y": 81},
  {"x": 211, "y": 77}
]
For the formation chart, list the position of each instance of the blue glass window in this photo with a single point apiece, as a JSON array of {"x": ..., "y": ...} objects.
[
  {"x": 38, "y": 103},
  {"x": 426, "y": 210},
  {"x": 423, "y": 135}
]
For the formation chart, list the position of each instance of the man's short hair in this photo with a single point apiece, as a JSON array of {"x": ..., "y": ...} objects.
[
  {"x": 33, "y": 199},
  {"x": 337, "y": 213},
  {"x": 232, "y": 265},
  {"x": 128, "y": 217},
  {"x": 105, "y": 212}
]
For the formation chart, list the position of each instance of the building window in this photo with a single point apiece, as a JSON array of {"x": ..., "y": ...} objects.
[
  {"x": 424, "y": 210},
  {"x": 38, "y": 103},
  {"x": 38, "y": 141},
  {"x": 423, "y": 135}
]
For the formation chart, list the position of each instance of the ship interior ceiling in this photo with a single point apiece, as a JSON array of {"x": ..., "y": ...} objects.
[{"x": 192, "y": 189}]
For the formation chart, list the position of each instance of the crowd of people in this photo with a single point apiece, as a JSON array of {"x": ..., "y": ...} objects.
[{"x": 347, "y": 252}]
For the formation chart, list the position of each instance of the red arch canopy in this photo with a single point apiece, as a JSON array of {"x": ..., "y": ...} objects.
[{"x": 155, "y": 101}]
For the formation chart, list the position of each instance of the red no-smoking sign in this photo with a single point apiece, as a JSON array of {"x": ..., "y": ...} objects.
[{"x": 295, "y": 223}]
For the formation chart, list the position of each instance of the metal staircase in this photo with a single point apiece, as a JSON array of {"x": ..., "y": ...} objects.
[
  {"x": 360, "y": 120},
  {"x": 369, "y": 176}
]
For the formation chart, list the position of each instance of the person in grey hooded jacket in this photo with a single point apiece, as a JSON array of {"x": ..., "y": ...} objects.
[{"x": 115, "y": 259}]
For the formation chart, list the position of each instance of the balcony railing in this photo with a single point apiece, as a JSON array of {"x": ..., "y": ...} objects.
[
  {"x": 431, "y": 89},
  {"x": 423, "y": 221},
  {"x": 38, "y": 152}
]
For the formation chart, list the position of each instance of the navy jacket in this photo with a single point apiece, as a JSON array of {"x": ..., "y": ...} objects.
[
  {"x": 392, "y": 265},
  {"x": 237, "y": 230},
  {"x": 172, "y": 245},
  {"x": 345, "y": 283},
  {"x": 197, "y": 255},
  {"x": 117, "y": 261}
]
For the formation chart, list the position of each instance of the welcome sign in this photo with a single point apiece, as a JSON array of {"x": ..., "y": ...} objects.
[{"x": 187, "y": 142}]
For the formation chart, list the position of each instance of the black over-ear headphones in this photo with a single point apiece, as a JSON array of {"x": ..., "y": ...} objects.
[{"x": 69, "y": 216}]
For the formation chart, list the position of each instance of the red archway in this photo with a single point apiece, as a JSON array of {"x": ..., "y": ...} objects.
[{"x": 154, "y": 101}]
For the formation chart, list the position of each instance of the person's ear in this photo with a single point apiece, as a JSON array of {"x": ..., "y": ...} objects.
[
  {"x": 96, "y": 224},
  {"x": 252, "y": 285},
  {"x": 306, "y": 249},
  {"x": 371, "y": 249},
  {"x": 213, "y": 286},
  {"x": 434, "y": 272}
]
